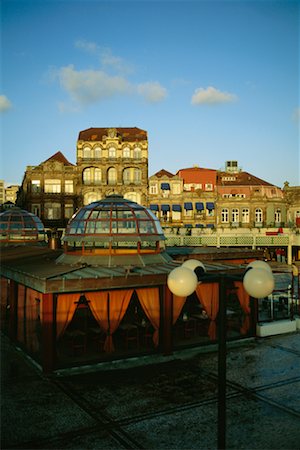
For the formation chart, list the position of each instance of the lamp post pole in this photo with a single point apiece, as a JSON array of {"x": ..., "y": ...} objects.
[{"x": 258, "y": 283}]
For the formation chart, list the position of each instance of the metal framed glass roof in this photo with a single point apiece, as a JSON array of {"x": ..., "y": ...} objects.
[{"x": 18, "y": 225}]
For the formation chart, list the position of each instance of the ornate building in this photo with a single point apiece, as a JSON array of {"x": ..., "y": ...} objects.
[
  {"x": 113, "y": 161},
  {"x": 49, "y": 190},
  {"x": 109, "y": 161}
]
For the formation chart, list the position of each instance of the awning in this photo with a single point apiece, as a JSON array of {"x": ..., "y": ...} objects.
[
  {"x": 188, "y": 225},
  {"x": 165, "y": 207},
  {"x": 199, "y": 206},
  {"x": 210, "y": 205},
  {"x": 154, "y": 207},
  {"x": 210, "y": 225},
  {"x": 199, "y": 225},
  {"x": 188, "y": 206},
  {"x": 165, "y": 186},
  {"x": 176, "y": 207}
]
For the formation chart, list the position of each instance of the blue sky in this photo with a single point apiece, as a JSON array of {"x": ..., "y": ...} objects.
[{"x": 209, "y": 80}]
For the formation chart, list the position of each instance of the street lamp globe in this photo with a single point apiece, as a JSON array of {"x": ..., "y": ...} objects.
[
  {"x": 258, "y": 282},
  {"x": 195, "y": 265},
  {"x": 182, "y": 281},
  {"x": 259, "y": 265}
]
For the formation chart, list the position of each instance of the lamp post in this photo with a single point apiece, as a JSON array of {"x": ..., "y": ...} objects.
[{"x": 258, "y": 281}]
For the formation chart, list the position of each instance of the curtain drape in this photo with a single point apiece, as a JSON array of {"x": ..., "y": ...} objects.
[
  {"x": 65, "y": 309},
  {"x": 178, "y": 303},
  {"x": 149, "y": 299},
  {"x": 208, "y": 295},
  {"x": 108, "y": 308},
  {"x": 118, "y": 304},
  {"x": 244, "y": 300}
]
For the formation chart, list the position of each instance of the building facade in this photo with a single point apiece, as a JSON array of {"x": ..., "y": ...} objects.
[
  {"x": 113, "y": 161},
  {"x": 49, "y": 190},
  {"x": 108, "y": 161}
]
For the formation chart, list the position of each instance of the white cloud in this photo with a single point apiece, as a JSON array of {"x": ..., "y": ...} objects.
[
  {"x": 211, "y": 96},
  {"x": 89, "y": 86},
  {"x": 296, "y": 115},
  {"x": 105, "y": 56},
  {"x": 109, "y": 79},
  {"x": 153, "y": 92},
  {"x": 5, "y": 103}
]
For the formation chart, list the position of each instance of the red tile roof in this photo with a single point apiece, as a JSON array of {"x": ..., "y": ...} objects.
[
  {"x": 164, "y": 173},
  {"x": 241, "y": 179},
  {"x": 127, "y": 134},
  {"x": 60, "y": 158}
]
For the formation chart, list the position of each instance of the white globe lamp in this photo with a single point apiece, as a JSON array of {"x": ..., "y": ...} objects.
[
  {"x": 259, "y": 265},
  {"x": 258, "y": 282},
  {"x": 193, "y": 264},
  {"x": 182, "y": 281}
]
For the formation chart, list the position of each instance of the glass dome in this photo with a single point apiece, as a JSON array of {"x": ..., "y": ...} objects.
[
  {"x": 113, "y": 226},
  {"x": 18, "y": 225}
]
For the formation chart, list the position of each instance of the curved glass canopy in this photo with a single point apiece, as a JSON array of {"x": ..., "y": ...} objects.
[
  {"x": 18, "y": 225},
  {"x": 113, "y": 226}
]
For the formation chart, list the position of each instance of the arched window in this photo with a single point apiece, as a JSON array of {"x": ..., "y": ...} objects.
[
  {"x": 225, "y": 215},
  {"x": 137, "y": 153},
  {"x": 137, "y": 176},
  {"x": 87, "y": 176},
  {"x": 87, "y": 153},
  {"x": 133, "y": 196},
  {"x": 112, "y": 176},
  {"x": 112, "y": 152},
  {"x": 278, "y": 215},
  {"x": 97, "y": 176},
  {"x": 97, "y": 152},
  {"x": 91, "y": 197},
  {"x": 234, "y": 215},
  {"x": 126, "y": 152},
  {"x": 126, "y": 176},
  {"x": 245, "y": 215},
  {"x": 258, "y": 215}
]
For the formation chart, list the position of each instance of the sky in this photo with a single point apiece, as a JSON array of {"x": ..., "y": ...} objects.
[{"x": 210, "y": 81}]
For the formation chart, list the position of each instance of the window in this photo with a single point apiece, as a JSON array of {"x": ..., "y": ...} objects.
[
  {"x": 35, "y": 186},
  {"x": 52, "y": 186},
  {"x": 126, "y": 152},
  {"x": 258, "y": 215},
  {"x": 97, "y": 176},
  {"x": 112, "y": 176},
  {"x": 153, "y": 189},
  {"x": 278, "y": 216},
  {"x": 225, "y": 215},
  {"x": 97, "y": 152},
  {"x": 137, "y": 175},
  {"x": 234, "y": 215},
  {"x": 208, "y": 187},
  {"x": 36, "y": 209},
  {"x": 87, "y": 176},
  {"x": 68, "y": 211},
  {"x": 92, "y": 175},
  {"x": 87, "y": 153},
  {"x": 52, "y": 211},
  {"x": 137, "y": 153},
  {"x": 245, "y": 215},
  {"x": 69, "y": 189},
  {"x": 111, "y": 152}
]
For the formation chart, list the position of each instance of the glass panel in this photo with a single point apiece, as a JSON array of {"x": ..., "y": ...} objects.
[
  {"x": 141, "y": 214},
  {"x": 126, "y": 226},
  {"x": 90, "y": 227},
  {"x": 102, "y": 227},
  {"x": 146, "y": 227}
]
